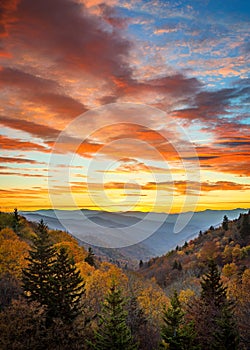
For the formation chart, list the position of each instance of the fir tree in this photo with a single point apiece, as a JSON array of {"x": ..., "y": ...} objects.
[
  {"x": 90, "y": 258},
  {"x": 226, "y": 336},
  {"x": 176, "y": 334},
  {"x": 245, "y": 226},
  {"x": 38, "y": 276},
  {"x": 141, "y": 329},
  {"x": 175, "y": 265},
  {"x": 113, "y": 333},
  {"x": 16, "y": 221},
  {"x": 214, "y": 316},
  {"x": 67, "y": 288},
  {"x": 140, "y": 264},
  {"x": 212, "y": 287},
  {"x": 225, "y": 223}
]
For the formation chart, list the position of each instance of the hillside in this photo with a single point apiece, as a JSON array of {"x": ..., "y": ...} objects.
[
  {"x": 145, "y": 295},
  {"x": 228, "y": 245}
]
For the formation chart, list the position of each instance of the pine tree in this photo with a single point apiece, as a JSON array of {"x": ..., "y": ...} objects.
[
  {"x": 113, "y": 333},
  {"x": 245, "y": 226},
  {"x": 214, "y": 317},
  {"x": 226, "y": 336},
  {"x": 176, "y": 334},
  {"x": 212, "y": 287},
  {"x": 90, "y": 258},
  {"x": 38, "y": 276},
  {"x": 140, "y": 264},
  {"x": 67, "y": 288},
  {"x": 141, "y": 328},
  {"x": 225, "y": 223},
  {"x": 16, "y": 221}
]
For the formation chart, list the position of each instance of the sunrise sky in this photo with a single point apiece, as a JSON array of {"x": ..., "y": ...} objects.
[{"x": 173, "y": 134}]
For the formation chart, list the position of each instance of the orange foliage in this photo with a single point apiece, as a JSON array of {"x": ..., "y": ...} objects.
[
  {"x": 13, "y": 252},
  {"x": 152, "y": 299},
  {"x": 74, "y": 250}
]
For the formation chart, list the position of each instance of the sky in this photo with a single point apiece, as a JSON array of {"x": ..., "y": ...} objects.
[{"x": 124, "y": 105}]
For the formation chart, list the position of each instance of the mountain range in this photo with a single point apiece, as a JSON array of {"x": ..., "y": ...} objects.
[{"x": 153, "y": 234}]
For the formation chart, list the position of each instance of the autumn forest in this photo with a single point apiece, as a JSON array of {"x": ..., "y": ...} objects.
[{"x": 55, "y": 294}]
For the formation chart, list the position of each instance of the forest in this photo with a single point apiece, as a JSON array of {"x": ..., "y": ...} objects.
[{"x": 56, "y": 294}]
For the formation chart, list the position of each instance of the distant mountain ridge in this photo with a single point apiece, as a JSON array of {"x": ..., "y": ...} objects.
[{"x": 161, "y": 241}]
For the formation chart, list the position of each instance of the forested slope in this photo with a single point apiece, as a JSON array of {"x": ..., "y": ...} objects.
[{"x": 56, "y": 295}]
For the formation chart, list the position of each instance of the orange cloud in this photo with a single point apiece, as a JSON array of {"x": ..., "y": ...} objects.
[
  {"x": 18, "y": 160},
  {"x": 13, "y": 144},
  {"x": 42, "y": 131}
]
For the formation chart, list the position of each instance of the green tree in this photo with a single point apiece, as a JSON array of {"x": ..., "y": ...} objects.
[
  {"x": 176, "y": 333},
  {"x": 140, "y": 264},
  {"x": 214, "y": 316},
  {"x": 225, "y": 223},
  {"x": 226, "y": 336},
  {"x": 212, "y": 290},
  {"x": 67, "y": 288},
  {"x": 143, "y": 330},
  {"x": 90, "y": 258},
  {"x": 113, "y": 332},
  {"x": 245, "y": 226},
  {"x": 38, "y": 276},
  {"x": 16, "y": 221}
]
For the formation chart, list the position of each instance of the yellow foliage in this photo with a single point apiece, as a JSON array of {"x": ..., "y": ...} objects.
[
  {"x": 227, "y": 253},
  {"x": 85, "y": 269},
  {"x": 186, "y": 295},
  {"x": 180, "y": 252},
  {"x": 7, "y": 234},
  {"x": 73, "y": 249},
  {"x": 13, "y": 252},
  {"x": 99, "y": 281},
  {"x": 152, "y": 299},
  {"x": 246, "y": 280},
  {"x": 236, "y": 253},
  {"x": 229, "y": 270}
]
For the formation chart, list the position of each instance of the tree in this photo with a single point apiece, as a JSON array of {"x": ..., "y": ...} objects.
[
  {"x": 176, "y": 334},
  {"x": 16, "y": 221},
  {"x": 142, "y": 330},
  {"x": 140, "y": 264},
  {"x": 225, "y": 223},
  {"x": 13, "y": 253},
  {"x": 22, "y": 326},
  {"x": 245, "y": 226},
  {"x": 213, "y": 313},
  {"x": 67, "y": 288},
  {"x": 212, "y": 287},
  {"x": 90, "y": 258},
  {"x": 38, "y": 276},
  {"x": 9, "y": 290},
  {"x": 113, "y": 333}
]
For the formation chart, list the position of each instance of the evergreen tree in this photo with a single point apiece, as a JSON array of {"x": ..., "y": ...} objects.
[
  {"x": 16, "y": 221},
  {"x": 90, "y": 258},
  {"x": 67, "y": 288},
  {"x": 38, "y": 276},
  {"x": 212, "y": 287},
  {"x": 113, "y": 333},
  {"x": 214, "y": 318},
  {"x": 226, "y": 336},
  {"x": 245, "y": 226},
  {"x": 176, "y": 334},
  {"x": 225, "y": 223},
  {"x": 141, "y": 329},
  {"x": 175, "y": 265}
]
